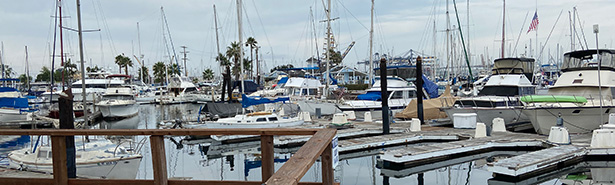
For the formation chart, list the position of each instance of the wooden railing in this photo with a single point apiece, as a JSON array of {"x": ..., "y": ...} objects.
[{"x": 290, "y": 173}]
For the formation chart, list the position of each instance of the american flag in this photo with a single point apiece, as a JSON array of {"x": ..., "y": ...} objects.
[{"x": 534, "y": 23}]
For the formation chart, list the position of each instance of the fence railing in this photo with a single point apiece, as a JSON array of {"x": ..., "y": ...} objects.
[{"x": 319, "y": 145}]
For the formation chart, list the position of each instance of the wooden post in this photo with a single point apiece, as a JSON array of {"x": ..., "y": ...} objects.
[
  {"x": 267, "y": 163},
  {"x": 159, "y": 160},
  {"x": 327, "y": 165},
  {"x": 58, "y": 148},
  {"x": 67, "y": 121}
]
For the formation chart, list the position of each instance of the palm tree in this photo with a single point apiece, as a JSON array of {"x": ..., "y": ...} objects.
[
  {"x": 144, "y": 74},
  {"x": 251, "y": 42},
  {"x": 208, "y": 74},
  {"x": 43, "y": 75},
  {"x": 232, "y": 52},
  {"x": 123, "y": 61},
  {"x": 8, "y": 71},
  {"x": 159, "y": 72}
]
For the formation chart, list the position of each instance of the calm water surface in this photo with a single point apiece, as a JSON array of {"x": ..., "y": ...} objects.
[{"x": 214, "y": 161}]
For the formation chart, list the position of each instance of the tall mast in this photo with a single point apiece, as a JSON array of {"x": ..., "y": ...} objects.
[
  {"x": 503, "y": 27},
  {"x": 468, "y": 31},
  {"x": 27, "y": 71},
  {"x": 371, "y": 46},
  {"x": 448, "y": 29},
  {"x": 240, "y": 46},
  {"x": 217, "y": 40},
  {"x": 327, "y": 58},
  {"x": 435, "y": 71},
  {"x": 1, "y": 57},
  {"x": 83, "y": 93},
  {"x": 61, "y": 43},
  {"x": 140, "y": 55}
]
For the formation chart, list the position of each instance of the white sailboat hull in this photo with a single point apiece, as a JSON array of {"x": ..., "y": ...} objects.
[
  {"x": 124, "y": 168},
  {"x": 510, "y": 115},
  {"x": 7, "y": 114},
  {"x": 277, "y": 124}
]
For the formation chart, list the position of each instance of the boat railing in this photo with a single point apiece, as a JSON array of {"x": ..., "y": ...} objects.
[{"x": 319, "y": 145}]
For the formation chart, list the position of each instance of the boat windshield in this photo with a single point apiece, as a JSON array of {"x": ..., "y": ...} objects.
[
  {"x": 506, "y": 91},
  {"x": 588, "y": 59},
  {"x": 118, "y": 97}
]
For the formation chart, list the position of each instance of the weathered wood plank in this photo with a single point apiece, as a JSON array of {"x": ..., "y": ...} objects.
[
  {"x": 293, "y": 170},
  {"x": 58, "y": 150},
  {"x": 109, "y": 182},
  {"x": 267, "y": 157},
  {"x": 26, "y": 181},
  {"x": 160, "y": 132},
  {"x": 327, "y": 165},
  {"x": 159, "y": 160}
]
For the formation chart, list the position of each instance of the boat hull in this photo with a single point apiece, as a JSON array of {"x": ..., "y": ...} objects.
[
  {"x": 119, "y": 111},
  {"x": 12, "y": 115},
  {"x": 511, "y": 116},
  {"x": 124, "y": 168},
  {"x": 576, "y": 119},
  {"x": 278, "y": 124}
]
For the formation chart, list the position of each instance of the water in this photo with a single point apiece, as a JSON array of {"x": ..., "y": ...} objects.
[{"x": 242, "y": 161}]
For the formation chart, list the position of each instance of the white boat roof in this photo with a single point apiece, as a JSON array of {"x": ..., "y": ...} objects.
[
  {"x": 180, "y": 82},
  {"x": 118, "y": 91},
  {"x": 302, "y": 83},
  {"x": 393, "y": 83},
  {"x": 99, "y": 81},
  {"x": 508, "y": 80}
]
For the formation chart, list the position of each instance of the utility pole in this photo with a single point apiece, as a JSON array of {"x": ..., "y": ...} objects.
[{"x": 185, "y": 59}]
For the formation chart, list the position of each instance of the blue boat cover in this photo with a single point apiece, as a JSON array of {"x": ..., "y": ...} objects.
[
  {"x": 430, "y": 87},
  {"x": 283, "y": 80},
  {"x": 14, "y": 102},
  {"x": 333, "y": 80},
  {"x": 257, "y": 100},
  {"x": 8, "y": 89},
  {"x": 372, "y": 95}
]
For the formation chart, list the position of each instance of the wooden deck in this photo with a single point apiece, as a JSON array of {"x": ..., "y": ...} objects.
[{"x": 319, "y": 145}]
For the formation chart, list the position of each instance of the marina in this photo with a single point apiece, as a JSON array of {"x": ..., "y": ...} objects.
[{"x": 306, "y": 92}]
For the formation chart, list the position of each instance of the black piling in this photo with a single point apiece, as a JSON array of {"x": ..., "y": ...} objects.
[
  {"x": 68, "y": 122},
  {"x": 384, "y": 96},
  {"x": 419, "y": 88}
]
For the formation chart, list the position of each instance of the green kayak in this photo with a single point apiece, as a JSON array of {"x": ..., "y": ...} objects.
[{"x": 553, "y": 98}]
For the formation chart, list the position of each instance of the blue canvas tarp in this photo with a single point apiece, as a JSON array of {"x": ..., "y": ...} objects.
[
  {"x": 250, "y": 86},
  {"x": 372, "y": 95},
  {"x": 430, "y": 87},
  {"x": 14, "y": 102},
  {"x": 257, "y": 100}
]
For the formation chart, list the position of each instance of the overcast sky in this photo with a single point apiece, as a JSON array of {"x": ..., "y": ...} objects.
[{"x": 284, "y": 29}]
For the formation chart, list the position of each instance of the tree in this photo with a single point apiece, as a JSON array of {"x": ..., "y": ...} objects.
[
  {"x": 70, "y": 70},
  {"x": 123, "y": 61},
  {"x": 25, "y": 80},
  {"x": 233, "y": 52},
  {"x": 159, "y": 72},
  {"x": 8, "y": 71},
  {"x": 335, "y": 57},
  {"x": 282, "y": 67},
  {"x": 144, "y": 74},
  {"x": 44, "y": 75},
  {"x": 94, "y": 69},
  {"x": 173, "y": 69},
  {"x": 251, "y": 42},
  {"x": 208, "y": 74}
]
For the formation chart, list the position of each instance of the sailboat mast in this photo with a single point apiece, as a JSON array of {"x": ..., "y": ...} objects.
[
  {"x": 468, "y": 31},
  {"x": 83, "y": 93},
  {"x": 371, "y": 46},
  {"x": 503, "y": 27},
  {"x": 448, "y": 58},
  {"x": 217, "y": 40},
  {"x": 240, "y": 46},
  {"x": 27, "y": 71},
  {"x": 1, "y": 57},
  {"x": 61, "y": 44},
  {"x": 140, "y": 55},
  {"x": 327, "y": 58}
]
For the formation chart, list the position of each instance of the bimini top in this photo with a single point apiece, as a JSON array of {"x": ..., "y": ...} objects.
[{"x": 588, "y": 60}]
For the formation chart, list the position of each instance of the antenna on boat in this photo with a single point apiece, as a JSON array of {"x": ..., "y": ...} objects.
[{"x": 596, "y": 30}]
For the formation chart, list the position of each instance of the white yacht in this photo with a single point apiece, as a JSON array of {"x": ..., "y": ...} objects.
[
  {"x": 118, "y": 103},
  {"x": 400, "y": 91},
  {"x": 181, "y": 90},
  {"x": 95, "y": 87},
  {"x": 98, "y": 159},
  {"x": 575, "y": 96},
  {"x": 500, "y": 95},
  {"x": 252, "y": 120}
]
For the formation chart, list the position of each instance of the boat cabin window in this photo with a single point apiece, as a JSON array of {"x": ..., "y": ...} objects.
[
  {"x": 261, "y": 120},
  {"x": 506, "y": 91},
  {"x": 191, "y": 89},
  {"x": 309, "y": 92},
  {"x": 44, "y": 154},
  {"x": 118, "y": 97},
  {"x": 273, "y": 119},
  {"x": 397, "y": 95}
]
